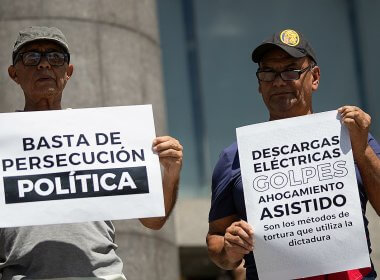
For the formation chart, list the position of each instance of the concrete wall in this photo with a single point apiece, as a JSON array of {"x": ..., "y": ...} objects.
[{"x": 116, "y": 54}]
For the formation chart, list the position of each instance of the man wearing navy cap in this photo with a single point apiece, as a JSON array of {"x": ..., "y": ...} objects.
[
  {"x": 41, "y": 66},
  {"x": 288, "y": 74}
]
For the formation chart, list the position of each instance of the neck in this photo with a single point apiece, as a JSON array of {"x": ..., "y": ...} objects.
[
  {"x": 280, "y": 117},
  {"x": 43, "y": 105}
]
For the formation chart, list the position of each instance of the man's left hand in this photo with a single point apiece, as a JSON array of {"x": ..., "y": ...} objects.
[
  {"x": 169, "y": 151},
  {"x": 358, "y": 122}
]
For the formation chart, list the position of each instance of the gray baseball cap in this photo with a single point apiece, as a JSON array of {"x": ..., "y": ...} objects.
[{"x": 35, "y": 33}]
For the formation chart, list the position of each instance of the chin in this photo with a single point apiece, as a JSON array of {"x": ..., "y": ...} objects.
[{"x": 49, "y": 92}]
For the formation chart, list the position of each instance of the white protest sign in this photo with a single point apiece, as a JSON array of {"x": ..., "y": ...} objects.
[
  {"x": 78, "y": 165},
  {"x": 301, "y": 197}
]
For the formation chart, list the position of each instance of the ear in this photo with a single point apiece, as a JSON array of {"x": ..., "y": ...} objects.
[
  {"x": 13, "y": 73},
  {"x": 316, "y": 73},
  {"x": 258, "y": 81},
  {"x": 69, "y": 72},
  {"x": 259, "y": 87}
]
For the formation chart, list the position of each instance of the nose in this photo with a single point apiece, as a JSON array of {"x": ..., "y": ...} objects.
[
  {"x": 44, "y": 63},
  {"x": 278, "y": 81}
]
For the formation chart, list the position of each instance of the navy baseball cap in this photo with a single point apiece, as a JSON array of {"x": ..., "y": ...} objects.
[{"x": 291, "y": 41}]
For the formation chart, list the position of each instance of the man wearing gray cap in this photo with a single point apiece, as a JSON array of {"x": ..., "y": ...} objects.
[
  {"x": 288, "y": 74},
  {"x": 41, "y": 66}
]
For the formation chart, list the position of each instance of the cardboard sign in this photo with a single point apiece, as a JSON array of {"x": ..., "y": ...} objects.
[
  {"x": 301, "y": 197},
  {"x": 78, "y": 165}
]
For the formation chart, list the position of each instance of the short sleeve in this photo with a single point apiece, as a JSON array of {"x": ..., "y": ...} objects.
[
  {"x": 374, "y": 145},
  {"x": 222, "y": 202}
]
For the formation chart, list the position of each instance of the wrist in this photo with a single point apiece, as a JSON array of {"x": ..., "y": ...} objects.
[
  {"x": 170, "y": 177},
  {"x": 362, "y": 156},
  {"x": 233, "y": 260}
]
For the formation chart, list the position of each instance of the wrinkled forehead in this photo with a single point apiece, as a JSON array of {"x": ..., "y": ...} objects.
[
  {"x": 278, "y": 57},
  {"x": 42, "y": 46}
]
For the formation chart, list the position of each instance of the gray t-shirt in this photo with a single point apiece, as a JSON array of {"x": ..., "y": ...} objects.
[{"x": 59, "y": 251}]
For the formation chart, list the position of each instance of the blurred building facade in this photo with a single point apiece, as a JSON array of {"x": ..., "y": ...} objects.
[{"x": 211, "y": 88}]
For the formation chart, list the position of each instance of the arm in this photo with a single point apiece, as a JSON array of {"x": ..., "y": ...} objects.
[
  {"x": 228, "y": 240},
  {"x": 358, "y": 123},
  {"x": 169, "y": 151}
]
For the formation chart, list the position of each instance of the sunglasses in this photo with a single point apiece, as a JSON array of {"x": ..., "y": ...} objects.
[
  {"x": 33, "y": 58},
  {"x": 287, "y": 75}
]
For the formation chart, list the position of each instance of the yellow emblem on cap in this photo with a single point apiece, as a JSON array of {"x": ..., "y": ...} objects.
[{"x": 290, "y": 37}]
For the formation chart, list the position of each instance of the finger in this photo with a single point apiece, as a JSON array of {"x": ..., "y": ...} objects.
[
  {"x": 170, "y": 154},
  {"x": 362, "y": 119},
  {"x": 350, "y": 114},
  {"x": 245, "y": 226},
  {"x": 236, "y": 249},
  {"x": 160, "y": 139},
  {"x": 241, "y": 233},
  {"x": 237, "y": 241},
  {"x": 242, "y": 230},
  {"x": 166, "y": 145},
  {"x": 347, "y": 108},
  {"x": 350, "y": 123},
  {"x": 345, "y": 112}
]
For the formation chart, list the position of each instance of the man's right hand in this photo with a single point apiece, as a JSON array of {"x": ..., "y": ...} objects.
[
  {"x": 238, "y": 240},
  {"x": 228, "y": 240}
]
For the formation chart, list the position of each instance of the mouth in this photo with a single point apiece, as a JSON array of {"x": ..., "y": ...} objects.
[
  {"x": 282, "y": 93},
  {"x": 45, "y": 79}
]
